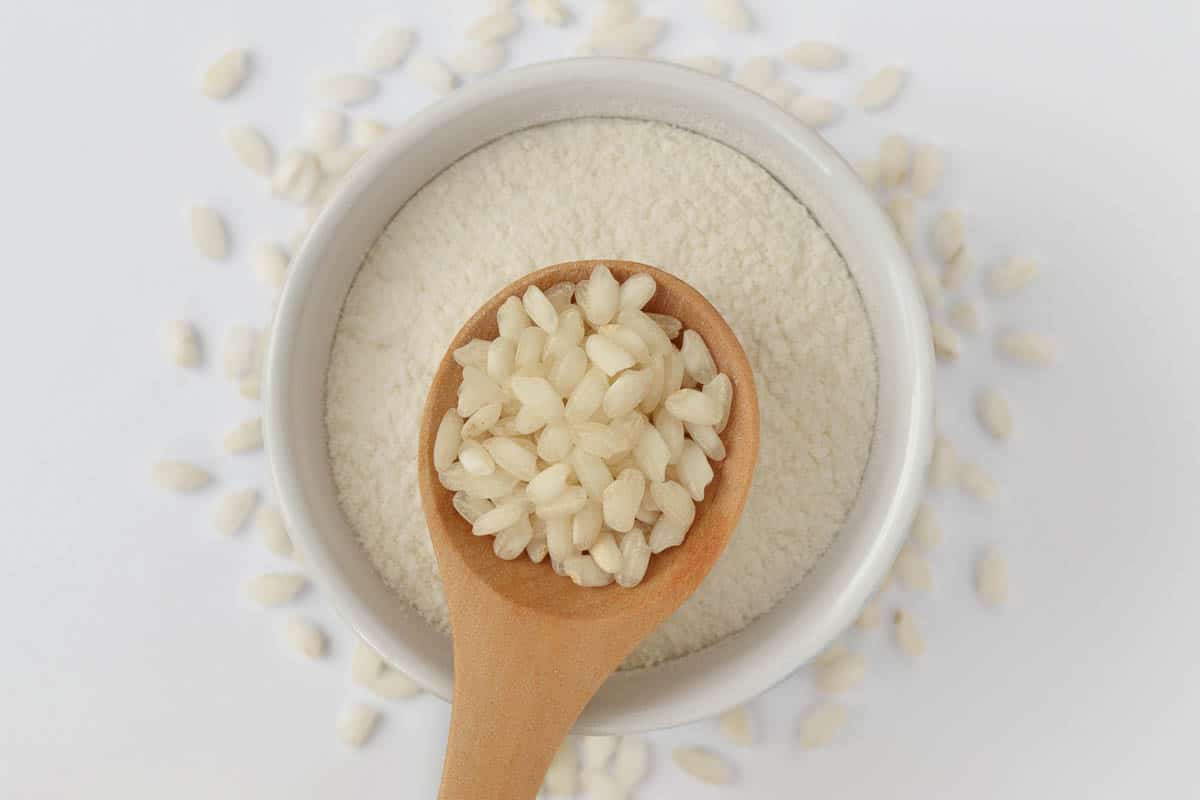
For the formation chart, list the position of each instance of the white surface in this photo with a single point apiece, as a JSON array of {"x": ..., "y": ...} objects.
[
  {"x": 132, "y": 666},
  {"x": 772, "y": 646}
]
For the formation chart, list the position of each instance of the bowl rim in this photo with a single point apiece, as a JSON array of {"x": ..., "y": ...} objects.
[{"x": 712, "y": 697}]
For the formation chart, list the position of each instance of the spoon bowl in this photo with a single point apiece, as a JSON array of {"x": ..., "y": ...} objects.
[{"x": 531, "y": 647}]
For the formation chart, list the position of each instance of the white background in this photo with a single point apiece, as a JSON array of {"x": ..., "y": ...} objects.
[{"x": 130, "y": 665}]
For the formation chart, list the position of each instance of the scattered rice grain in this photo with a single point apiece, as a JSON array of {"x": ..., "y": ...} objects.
[
  {"x": 976, "y": 482},
  {"x": 344, "y": 88},
  {"x": 251, "y": 148},
  {"x": 181, "y": 343},
  {"x": 356, "y": 724},
  {"x": 275, "y": 589},
  {"x": 233, "y": 510},
  {"x": 387, "y": 49},
  {"x": 881, "y": 89},
  {"x": 908, "y": 635},
  {"x": 1011, "y": 277},
  {"x": 815, "y": 55},
  {"x": 732, "y": 15},
  {"x": 702, "y": 764},
  {"x": 994, "y": 414},
  {"x": 1031, "y": 349},
  {"x": 244, "y": 437},
  {"x": 306, "y": 638},
  {"x": 210, "y": 236},
  {"x": 180, "y": 476},
  {"x": 815, "y": 112},
  {"x": 223, "y": 77},
  {"x": 928, "y": 166},
  {"x": 274, "y": 532},
  {"x": 432, "y": 73},
  {"x": 821, "y": 725},
  {"x": 991, "y": 578}
]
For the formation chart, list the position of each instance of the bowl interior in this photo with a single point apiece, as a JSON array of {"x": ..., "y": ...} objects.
[{"x": 828, "y": 598}]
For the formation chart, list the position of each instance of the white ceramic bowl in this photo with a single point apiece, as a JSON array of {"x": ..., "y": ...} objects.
[{"x": 830, "y": 596}]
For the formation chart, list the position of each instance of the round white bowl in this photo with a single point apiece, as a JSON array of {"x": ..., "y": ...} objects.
[{"x": 829, "y": 597}]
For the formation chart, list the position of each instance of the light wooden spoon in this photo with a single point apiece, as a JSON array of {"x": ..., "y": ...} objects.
[{"x": 531, "y": 647}]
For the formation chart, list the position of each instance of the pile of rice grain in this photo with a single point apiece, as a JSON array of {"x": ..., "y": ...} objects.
[{"x": 621, "y": 189}]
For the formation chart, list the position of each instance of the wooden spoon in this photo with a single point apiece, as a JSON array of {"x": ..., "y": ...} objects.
[{"x": 531, "y": 647}]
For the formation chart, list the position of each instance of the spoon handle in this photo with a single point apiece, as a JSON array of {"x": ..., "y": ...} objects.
[{"x": 521, "y": 679}]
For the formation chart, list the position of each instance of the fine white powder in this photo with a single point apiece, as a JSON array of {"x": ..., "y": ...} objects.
[{"x": 621, "y": 189}]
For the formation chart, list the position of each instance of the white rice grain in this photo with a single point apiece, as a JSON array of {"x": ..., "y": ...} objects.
[
  {"x": 210, "y": 236},
  {"x": 841, "y": 674},
  {"x": 821, "y": 725},
  {"x": 365, "y": 664},
  {"x": 551, "y": 12},
  {"x": 344, "y": 88},
  {"x": 994, "y": 414},
  {"x": 276, "y": 588},
  {"x": 690, "y": 405},
  {"x": 702, "y": 764},
  {"x": 607, "y": 553},
  {"x": 494, "y": 27},
  {"x": 504, "y": 515},
  {"x": 392, "y": 684},
  {"x": 948, "y": 235},
  {"x": 697, "y": 360},
  {"x": 181, "y": 343},
  {"x": 908, "y": 635},
  {"x": 447, "y": 441},
  {"x": 756, "y": 73},
  {"x": 735, "y": 725},
  {"x": 602, "y": 786},
  {"x": 245, "y": 437},
  {"x": 356, "y": 724},
  {"x": 895, "y": 157},
  {"x": 965, "y": 316},
  {"x": 947, "y": 344},
  {"x": 271, "y": 527},
  {"x": 870, "y": 171},
  {"x": 584, "y": 571},
  {"x": 387, "y": 49},
  {"x": 233, "y": 510},
  {"x": 179, "y": 476},
  {"x": 631, "y": 761},
  {"x": 562, "y": 777},
  {"x": 815, "y": 112},
  {"x": 622, "y": 498},
  {"x": 324, "y": 129},
  {"x": 693, "y": 470},
  {"x": 732, "y": 15},
  {"x": 635, "y": 558},
  {"x": 991, "y": 578},
  {"x": 928, "y": 166},
  {"x": 251, "y": 148},
  {"x": 224, "y": 76},
  {"x": 881, "y": 89},
  {"x": 913, "y": 571},
  {"x": 306, "y": 638},
  {"x": 958, "y": 269},
  {"x": 816, "y": 55},
  {"x": 977, "y": 483},
  {"x": 1011, "y": 277},
  {"x": 1022, "y": 347}
]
